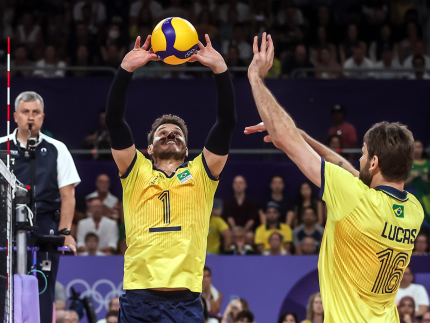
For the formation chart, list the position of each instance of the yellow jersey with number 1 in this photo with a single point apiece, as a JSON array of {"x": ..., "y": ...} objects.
[
  {"x": 367, "y": 245},
  {"x": 166, "y": 222}
]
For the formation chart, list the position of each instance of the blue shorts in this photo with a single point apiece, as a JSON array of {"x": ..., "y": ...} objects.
[{"x": 145, "y": 305}]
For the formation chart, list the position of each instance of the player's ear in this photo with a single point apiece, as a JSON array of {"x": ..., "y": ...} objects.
[
  {"x": 15, "y": 116},
  {"x": 186, "y": 153},
  {"x": 150, "y": 150},
  {"x": 374, "y": 163}
]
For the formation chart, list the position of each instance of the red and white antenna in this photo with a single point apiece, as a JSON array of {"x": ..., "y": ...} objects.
[{"x": 8, "y": 102}]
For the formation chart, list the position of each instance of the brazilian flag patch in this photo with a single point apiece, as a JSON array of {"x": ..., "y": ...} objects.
[
  {"x": 185, "y": 176},
  {"x": 399, "y": 211}
]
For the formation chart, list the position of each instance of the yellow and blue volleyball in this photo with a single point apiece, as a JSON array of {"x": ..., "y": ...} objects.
[{"x": 174, "y": 40}]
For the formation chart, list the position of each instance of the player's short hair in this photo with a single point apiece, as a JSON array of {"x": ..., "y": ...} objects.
[
  {"x": 91, "y": 235},
  {"x": 245, "y": 314},
  {"x": 393, "y": 144},
  {"x": 28, "y": 96},
  {"x": 168, "y": 118}
]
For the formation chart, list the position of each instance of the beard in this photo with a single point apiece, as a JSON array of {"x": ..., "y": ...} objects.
[
  {"x": 365, "y": 175},
  {"x": 162, "y": 152}
]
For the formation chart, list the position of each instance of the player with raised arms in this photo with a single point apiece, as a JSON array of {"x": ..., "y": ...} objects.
[
  {"x": 372, "y": 222},
  {"x": 167, "y": 201}
]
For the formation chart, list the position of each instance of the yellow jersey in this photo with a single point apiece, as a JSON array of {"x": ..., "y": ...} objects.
[
  {"x": 167, "y": 222},
  {"x": 216, "y": 226},
  {"x": 262, "y": 234},
  {"x": 367, "y": 244}
]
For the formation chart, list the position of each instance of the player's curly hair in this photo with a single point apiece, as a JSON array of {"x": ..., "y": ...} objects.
[{"x": 168, "y": 118}]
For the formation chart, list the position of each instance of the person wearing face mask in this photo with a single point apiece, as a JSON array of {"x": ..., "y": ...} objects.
[{"x": 167, "y": 201}]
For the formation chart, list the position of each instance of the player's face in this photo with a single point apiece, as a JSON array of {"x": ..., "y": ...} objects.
[
  {"x": 365, "y": 175},
  {"x": 318, "y": 307},
  {"x": 30, "y": 112},
  {"x": 289, "y": 319},
  {"x": 169, "y": 143}
]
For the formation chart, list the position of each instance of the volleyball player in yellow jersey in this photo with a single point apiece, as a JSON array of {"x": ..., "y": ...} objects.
[
  {"x": 167, "y": 202},
  {"x": 371, "y": 222}
]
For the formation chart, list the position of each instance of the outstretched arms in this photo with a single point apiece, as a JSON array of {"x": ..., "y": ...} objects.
[
  {"x": 123, "y": 149},
  {"x": 217, "y": 144},
  {"x": 281, "y": 127}
]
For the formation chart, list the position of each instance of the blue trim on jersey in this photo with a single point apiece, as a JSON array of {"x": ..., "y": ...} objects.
[
  {"x": 184, "y": 165},
  {"x": 165, "y": 229},
  {"x": 208, "y": 171},
  {"x": 129, "y": 167},
  {"x": 393, "y": 192},
  {"x": 322, "y": 178}
]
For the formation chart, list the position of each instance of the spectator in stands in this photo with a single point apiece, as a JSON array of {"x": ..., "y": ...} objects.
[
  {"x": 325, "y": 20},
  {"x": 82, "y": 59},
  {"x": 211, "y": 295},
  {"x": 241, "y": 7},
  {"x": 81, "y": 37},
  {"x": 264, "y": 231},
  {"x": 99, "y": 139},
  {"x": 334, "y": 142},
  {"x": 406, "y": 310},
  {"x": 276, "y": 187},
  {"x": 112, "y": 56},
  {"x": 92, "y": 245},
  {"x": 60, "y": 315},
  {"x": 226, "y": 28},
  {"x": 419, "y": 179},
  {"x": 205, "y": 25},
  {"x": 352, "y": 41},
  {"x": 346, "y": 131},
  {"x": 174, "y": 9},
  {"x": 420, "y": 49},
  {"x": 28, "y": 33},
  {"x": 309, "y": 228},
  {"x": 315, "y": 311},
  {"x": 240, "y": 209},
  {"x": 245, "y": 317},
  {"x": 112, "y": 307},
  {"x": 306, "y": 200},
  {"x": 112, "y": 317},
  {"x": 418, "y": 63},
  {"x": 239, "y": 247},
  {"x": 288, "y": 32},
  {"x": 113, "y": 37},
  {"x": 218, "y": 229},
  {"x": 321, "y": 44},
  {"x": 105, "y": 228},
  {"x": 416, "y": 291},
  {"x": 71, "y": 317},
  {"x": 233, "y": 308},
  {"x": 97, "y": 14},
  {"x": 110, "y": 201},
  {"x": 275, "y": 241},
  {"x": 245, "y": 49},
  {"x": 60, "y": 297},
  {"x": 421, "y": 246},
  {"x": 407, "y": 45},
  {"x": 308, "y": 247},
  {"x": 233, "y": 59},
  {"x": 357, "y": 64},
  {"x": 144, "y": 18},
  {"x": 50, "y": 65},
  {"x": 386, "y": 64},
  {"x": 288, "y": 317},
  {"x": 153, "y": 5},
  {"x": 300, "y": 60},
  {"x": 426, "y": 318},
  {"x": 20, "y": 56},
  {"x": 326, "y": 67},
  {"x": 385, "y": 41}
]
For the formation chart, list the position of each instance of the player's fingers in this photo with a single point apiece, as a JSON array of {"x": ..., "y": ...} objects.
[
  {"x": 137, "y": 43},
  {"x": 256, "y": 128},
  {"x": 154, "y": 57},
  {"x": 271, "y": 48},
  {"x": 147, "y": 42},
  {"x": 208, "y": 41},
  {"x": 263, "y": 43},
  {"x": 255, "y": 45},
  {"x": 201, "y": 47},
  {"x": 267, "y": 139}
]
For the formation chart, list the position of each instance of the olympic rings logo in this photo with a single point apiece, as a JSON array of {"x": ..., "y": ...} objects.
[{"x": 97, "y": 297}]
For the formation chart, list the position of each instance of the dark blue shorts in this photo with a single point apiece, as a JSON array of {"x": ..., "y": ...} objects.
[{"x": 144, "y": 305}]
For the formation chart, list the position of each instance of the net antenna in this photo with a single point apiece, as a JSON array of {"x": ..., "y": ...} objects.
[{"x": 8, "y": 104}]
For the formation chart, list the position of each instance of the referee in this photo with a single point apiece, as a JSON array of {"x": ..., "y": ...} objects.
[{"x": 55, "y": 181}]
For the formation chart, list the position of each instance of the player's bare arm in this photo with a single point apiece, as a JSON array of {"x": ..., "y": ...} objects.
[
  {"x": 280, "y": 126},
  {"x": 218, "y": 142},
  {"x": 123, "y": 149},
  {"x": 322, "y": 150}
]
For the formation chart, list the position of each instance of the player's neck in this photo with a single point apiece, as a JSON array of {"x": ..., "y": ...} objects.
[
  {"x": 168, "y": 165},
  {"x": 379, "y": 180}
]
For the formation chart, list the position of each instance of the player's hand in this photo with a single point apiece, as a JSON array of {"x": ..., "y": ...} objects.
[
  {"x": 263, "y": 58},
  {"x": 258, "y": 128},
  {"x": 209, "y": 57},
  {"x": 139, "y": 56},
  {"x": 71, "y": 243}
]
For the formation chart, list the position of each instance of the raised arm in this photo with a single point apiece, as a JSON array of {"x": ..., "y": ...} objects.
[
  {"x": 280, "y": 126},
  {"x": 217, "y": 144},
  {"x": 122, "y": 143}
]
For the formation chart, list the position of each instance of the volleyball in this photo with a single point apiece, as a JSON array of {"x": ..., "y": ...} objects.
[{"x": 174, "y": 40}]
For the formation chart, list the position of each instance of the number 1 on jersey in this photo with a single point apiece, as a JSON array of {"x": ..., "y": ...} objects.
[
  {"x": 389, "y": 275},
  {"x": 165, "y": 198}
]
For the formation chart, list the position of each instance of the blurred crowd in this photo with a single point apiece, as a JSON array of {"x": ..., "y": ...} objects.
[{"x": 323, "y": 36}]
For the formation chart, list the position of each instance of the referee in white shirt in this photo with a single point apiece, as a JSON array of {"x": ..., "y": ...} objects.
[{"x": 55, "y": 181}]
